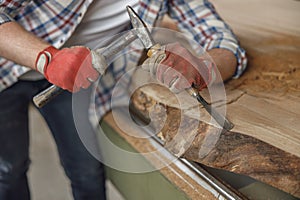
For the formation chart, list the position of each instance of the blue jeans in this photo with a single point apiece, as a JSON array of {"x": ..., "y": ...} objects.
[{"x": 86, "y": 174}]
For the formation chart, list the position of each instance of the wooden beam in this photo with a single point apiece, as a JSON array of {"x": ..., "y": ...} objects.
[
  {"x": 264, "y": 104},
  {"x": 234, "y": 151}
]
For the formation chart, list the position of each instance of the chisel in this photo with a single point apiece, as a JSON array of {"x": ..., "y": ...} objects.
[{"x": 148, "y": 42}]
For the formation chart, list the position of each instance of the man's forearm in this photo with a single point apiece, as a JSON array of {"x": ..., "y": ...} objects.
[
  {"x": 226, "y": 62},
  {"x": 19, "y": 45}
]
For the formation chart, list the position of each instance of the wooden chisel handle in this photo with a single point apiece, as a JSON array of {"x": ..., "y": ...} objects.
[{"x": 46, "y": 95}]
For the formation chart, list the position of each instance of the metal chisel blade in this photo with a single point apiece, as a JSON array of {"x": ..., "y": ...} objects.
[{"x": 220, "y": 119}]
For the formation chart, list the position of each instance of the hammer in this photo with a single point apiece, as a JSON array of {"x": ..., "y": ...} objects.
[
  {"x": 108, "y": 53},
  {"x": 177, "y": 145}
]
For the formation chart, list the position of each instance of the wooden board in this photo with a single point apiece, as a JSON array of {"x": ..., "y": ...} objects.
[
  {"x": 266, "y": 15},
  {"x": 235, "y": 152},
  {"x": 264, "y": 104}
]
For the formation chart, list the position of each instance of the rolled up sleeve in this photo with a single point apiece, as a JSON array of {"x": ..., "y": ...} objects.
[
  {"x": 199, "y": 20},
  {"x": 9, "y": 9},
  {"x": 5, "y": 18}
]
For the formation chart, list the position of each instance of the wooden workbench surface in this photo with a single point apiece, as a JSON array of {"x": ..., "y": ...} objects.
[
  {"x": 181, "y": 177},
  {"x": 264, "y": 104}
]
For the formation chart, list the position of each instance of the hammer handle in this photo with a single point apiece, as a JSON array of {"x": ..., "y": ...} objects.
[
  {"x": 46, "y": 95},
  {"x": 116, "y": 45}
]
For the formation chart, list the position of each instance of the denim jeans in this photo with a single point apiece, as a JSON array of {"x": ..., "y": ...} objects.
[{"x": 86, "y": 174}]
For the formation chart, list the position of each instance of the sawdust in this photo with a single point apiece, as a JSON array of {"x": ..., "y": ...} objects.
[
  {"x": 274, "y": 65},
  {"x": 273, "y": 71}
]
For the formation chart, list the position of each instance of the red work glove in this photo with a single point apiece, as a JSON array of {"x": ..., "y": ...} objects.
[
  {"x": 69, "y": 68},
  {"x": 178, "y": 69}
]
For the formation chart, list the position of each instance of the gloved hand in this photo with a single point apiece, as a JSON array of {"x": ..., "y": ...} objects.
[
  {"x": 69, "y": 68},
  {"x": 178, "y": 69}
]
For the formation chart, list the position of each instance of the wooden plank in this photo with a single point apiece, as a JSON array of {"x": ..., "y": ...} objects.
[
  {"x": 234, "y": 151},
  {"x": 264, "y": 104},
  {"x": 268, "y": 15},
  {"x": 258, "y": 116},
  {"x": 264, "y": 120},
  {"x": 182, "y": 177}
]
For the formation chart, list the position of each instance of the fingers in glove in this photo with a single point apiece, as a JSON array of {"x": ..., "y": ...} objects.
[
  {"x": 80, "y": 82},
  {"x": 160, "y": 71},
  {"x": 176, "y": 81},
  {"x": 90, "y": 73},
  {"x": 84, "y": 79},
  {"x": 86, "y": 73},
  {"x": 180, "y": 84},
  {"x": 85, "y": 83},
  {"x": 169, "y": 76}
]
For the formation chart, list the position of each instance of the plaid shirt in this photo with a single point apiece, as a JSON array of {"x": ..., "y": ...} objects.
[{"x": 55, "y": 21}]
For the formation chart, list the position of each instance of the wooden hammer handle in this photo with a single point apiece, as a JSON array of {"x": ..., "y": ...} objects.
[{"x": 46, "y": 95}]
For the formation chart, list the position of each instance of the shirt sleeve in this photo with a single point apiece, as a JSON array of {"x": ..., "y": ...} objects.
[
  {"x": 5, "y": 18},
  {"x": 199, "y": 20},
  {"x": 10, "y": 8}
]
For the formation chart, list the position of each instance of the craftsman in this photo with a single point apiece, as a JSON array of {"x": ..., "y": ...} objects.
[{"x": 44, "y": 36}]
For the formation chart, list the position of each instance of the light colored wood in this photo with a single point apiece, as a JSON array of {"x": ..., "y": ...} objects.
[
  {"x": 231, "y": 151},
  {"x": 280, "y": 16},
  {"x": 264, "y": 103},
  {"x": 183, "y": 179},
  {"x": 269, "y": 118}
]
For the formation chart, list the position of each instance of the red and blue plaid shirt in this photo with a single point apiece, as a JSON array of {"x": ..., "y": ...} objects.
[{"x": 55, "y": 21}]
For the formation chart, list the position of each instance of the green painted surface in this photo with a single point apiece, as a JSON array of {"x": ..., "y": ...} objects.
[
  {"x": 138, "y": 186},
  {"x": 261, "y": 191}
]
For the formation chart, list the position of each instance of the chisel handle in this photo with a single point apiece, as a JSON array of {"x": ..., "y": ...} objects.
[{"x": 46, "y": 95}]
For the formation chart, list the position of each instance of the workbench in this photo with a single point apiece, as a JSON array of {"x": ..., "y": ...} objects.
[{"x": 165, "y": 176}]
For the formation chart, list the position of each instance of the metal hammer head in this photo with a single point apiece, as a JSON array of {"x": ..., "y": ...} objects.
[{"x": 141, "y": 29}]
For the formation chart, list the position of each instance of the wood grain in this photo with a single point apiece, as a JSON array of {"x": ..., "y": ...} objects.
[
  {"x": 264, "y": 104},
  {"x": 233, "y": 151}
]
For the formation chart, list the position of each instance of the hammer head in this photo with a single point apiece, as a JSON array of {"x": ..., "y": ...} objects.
[{"x": 141, "y": 29}]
